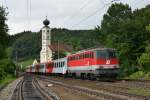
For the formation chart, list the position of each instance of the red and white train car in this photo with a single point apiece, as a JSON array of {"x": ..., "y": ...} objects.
[
  {"x": 87, "y": 63},
  {"x": 99, "y": 62},
  {"x": 58, "y": 66}
]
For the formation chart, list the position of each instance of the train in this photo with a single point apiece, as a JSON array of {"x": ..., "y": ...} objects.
[{"x": 98, "y": 62}]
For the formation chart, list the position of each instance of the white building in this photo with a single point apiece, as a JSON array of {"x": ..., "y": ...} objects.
[{"x": 46, "y": 52}]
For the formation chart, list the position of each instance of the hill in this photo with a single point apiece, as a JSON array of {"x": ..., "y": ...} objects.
[{"x": 27, "y": 45}]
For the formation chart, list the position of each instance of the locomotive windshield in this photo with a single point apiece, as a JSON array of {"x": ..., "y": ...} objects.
[
  {"x": 106, "y": 54},
  {"x": 112, "y": 54}
]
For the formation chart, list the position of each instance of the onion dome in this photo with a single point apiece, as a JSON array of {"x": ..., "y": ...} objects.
[{"x": 46, "y": 22}]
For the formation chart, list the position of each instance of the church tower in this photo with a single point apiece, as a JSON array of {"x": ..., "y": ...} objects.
[{"x": 46, "y": 52}]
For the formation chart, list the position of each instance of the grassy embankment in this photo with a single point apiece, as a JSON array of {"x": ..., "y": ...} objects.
[
  {"x": 26, "y": 62},
  {"x": 139, "y": 75},
  {"x": 8, "y": 79}
]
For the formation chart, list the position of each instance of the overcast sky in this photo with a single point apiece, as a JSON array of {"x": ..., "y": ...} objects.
[{"x": 71, "y": 14}]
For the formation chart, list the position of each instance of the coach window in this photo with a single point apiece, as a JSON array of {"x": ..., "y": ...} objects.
[
  {"x": 91, "y": 55},
  {"x": 70, "y": 58},
  {"x": 76, "y": 57},
  {"x": 85, "y": 55},
  {"x": 82, "y": 56},
  {"x": 55, "y": 65},
  {"x": 73, "y": 58},
  {"x": 59, "y": 64},
  {"x": 62, "y": 64}
]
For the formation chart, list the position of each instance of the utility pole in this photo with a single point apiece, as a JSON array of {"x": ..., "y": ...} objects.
[
  {"x": 16, "y": 62},
  {"x": 58, "y": 49}
]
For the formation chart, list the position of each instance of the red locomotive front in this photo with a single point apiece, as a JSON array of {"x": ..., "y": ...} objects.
[{"x": 97, "y": 62}]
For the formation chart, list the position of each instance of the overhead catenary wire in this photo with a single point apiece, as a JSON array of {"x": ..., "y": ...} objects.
[
  {"x": 6, "y": 4},
  {"x": 28, "y": 6},
  {"x": 80, "y": 8},
  {"x": 84, "y": 5},
  {"x": 137, "y": 3},
  {"x": 93, "y": 13}
]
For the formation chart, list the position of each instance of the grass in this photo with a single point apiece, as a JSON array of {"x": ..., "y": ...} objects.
[
  {"x": 26, "y": 62},
  {"x": 9, "y": 50},
  {"x": 139, "y": 75},
  {"x": 139, "y": 91},
  {"x": 8, "y": 79}
]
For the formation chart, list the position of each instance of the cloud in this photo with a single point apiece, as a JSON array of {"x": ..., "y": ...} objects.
[{"x": 61, "y": 13}]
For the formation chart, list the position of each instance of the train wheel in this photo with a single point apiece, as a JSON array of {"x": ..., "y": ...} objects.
[
  {"x": 73, "y": 75},
  {"x": 82, "y": 76}
]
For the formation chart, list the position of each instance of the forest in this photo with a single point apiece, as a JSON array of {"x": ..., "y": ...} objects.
[
  {"x": 7, "y": 67},
  {"x": 122, "y": 28}
]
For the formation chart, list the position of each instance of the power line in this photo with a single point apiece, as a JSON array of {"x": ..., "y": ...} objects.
[
  {"x": 137, "y": 3},
  {"x": 85, "y": 4},
  {"x": 28, "y": 14},
  {"x": 94, "y": 13},
  {"x": 6, "y": 4},
  {"x": 81, "y": 8}
]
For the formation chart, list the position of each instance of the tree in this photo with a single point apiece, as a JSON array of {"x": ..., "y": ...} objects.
[
  {"x": 125, "y": 30},
  {"x": 3, "y": 32},
  {"x": 144, "y": 60}
]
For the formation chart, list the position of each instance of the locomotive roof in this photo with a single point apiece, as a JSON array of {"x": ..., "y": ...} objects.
[{"x": 89, "y": 50}]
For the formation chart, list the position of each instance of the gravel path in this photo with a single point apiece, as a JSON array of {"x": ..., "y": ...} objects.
[{"x": 7, "y": 92}]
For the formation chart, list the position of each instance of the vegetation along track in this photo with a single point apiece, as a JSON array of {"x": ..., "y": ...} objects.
[
  {"x": 29, "y": 89},
  {"x": 109, "y": 89}
]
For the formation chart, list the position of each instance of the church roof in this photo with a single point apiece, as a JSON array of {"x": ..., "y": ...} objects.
[{"x": 62, "y": 47}]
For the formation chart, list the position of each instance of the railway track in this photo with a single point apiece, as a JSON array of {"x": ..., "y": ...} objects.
[
  {"x": 119, "y": 95},
  {"x": 29, "y": 89}
]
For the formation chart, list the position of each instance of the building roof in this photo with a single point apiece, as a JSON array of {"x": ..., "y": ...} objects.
[{"x": 62, "y": 47}]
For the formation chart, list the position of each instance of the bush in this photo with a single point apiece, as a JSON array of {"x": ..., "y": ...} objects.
[
  {"x": 6, "y": 67},
  {"x": 2, "y": 74},
  {"x": 144, "y": 60}
]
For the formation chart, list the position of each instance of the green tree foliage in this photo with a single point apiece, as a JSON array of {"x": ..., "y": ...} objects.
[
  {"x": 2, "y": 74},
  {"x": 144, "y": 60},
  {"x": 28, "y": 44},
  {"x": 124, "y": 29},
  {"x": 6, "y": 65},
  {"x": 3, "y": 32}
]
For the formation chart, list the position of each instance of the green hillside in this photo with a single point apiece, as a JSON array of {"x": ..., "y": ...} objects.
[{"x": 27, "y": 45}]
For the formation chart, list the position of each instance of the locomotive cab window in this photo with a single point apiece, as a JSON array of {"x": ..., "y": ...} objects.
[
  {"x": 112, "y": 54},
  {"x": 101, "y": 54}
]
